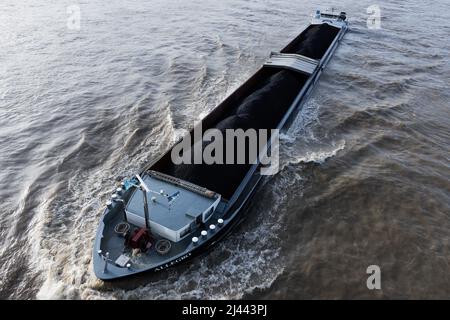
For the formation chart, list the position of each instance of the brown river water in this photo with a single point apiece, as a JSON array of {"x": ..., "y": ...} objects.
[{"x": 365, "y": 168}]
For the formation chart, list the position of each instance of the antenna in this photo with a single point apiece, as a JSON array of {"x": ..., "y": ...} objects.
[
  {"x": 171, "y": 199},
  {"x": 143, "y": 184},
  {"x": 147, "y": 189}
]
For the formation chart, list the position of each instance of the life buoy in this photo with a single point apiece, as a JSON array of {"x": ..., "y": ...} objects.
[
  {"x": 122, "y": 228},
  {"x": 163, "y": 246}
]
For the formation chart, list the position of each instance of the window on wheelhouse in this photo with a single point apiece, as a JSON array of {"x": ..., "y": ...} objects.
[{"x": 184, "y": 232}]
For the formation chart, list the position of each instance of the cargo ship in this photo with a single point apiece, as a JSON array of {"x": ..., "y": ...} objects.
[{"x": 168, "y": 212}]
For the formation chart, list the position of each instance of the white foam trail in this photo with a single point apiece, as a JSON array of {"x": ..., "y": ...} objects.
[
  {"x": 64, "y": 226},
  {"x": 62, "y": 231},
  {"x": 203, "y": 114},
  {"x": 178, "y": 134},
  {"x": 319, "y": 156},
  {"x": 252, "y": 261},
  {"x": 302, "y": 143},
  {"x": 249, "y": 258},
  {"x": 304, "y": 124},
  {"x": 62, "y": 242},
  {"x": 51, "y": 289}
]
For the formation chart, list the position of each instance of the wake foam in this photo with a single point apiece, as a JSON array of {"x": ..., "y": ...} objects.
[
  {"x": 306, "y": 140},
  {"x": 249, "y": 258}
]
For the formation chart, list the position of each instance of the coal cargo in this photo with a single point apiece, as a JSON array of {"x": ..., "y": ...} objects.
[{"x": 261, "y": 106}]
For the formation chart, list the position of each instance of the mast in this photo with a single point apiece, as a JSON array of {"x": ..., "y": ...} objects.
[
  {"x": 144, "y": 189},
  {"x": 147, "y": 225}
]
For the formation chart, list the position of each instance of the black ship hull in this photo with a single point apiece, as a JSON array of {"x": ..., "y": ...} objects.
[{"x": 270, "y": 99}]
